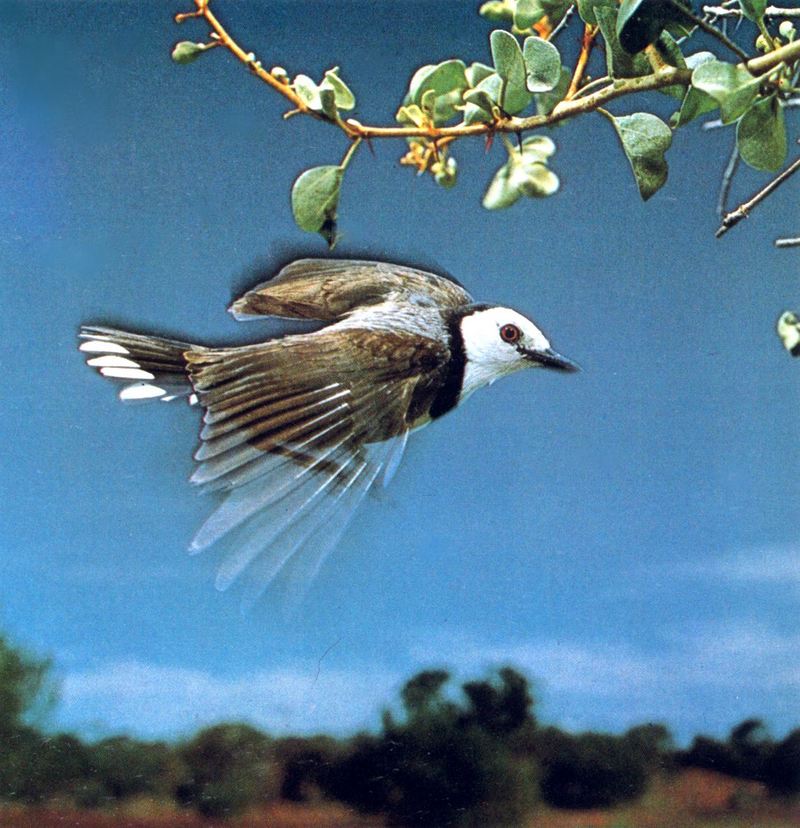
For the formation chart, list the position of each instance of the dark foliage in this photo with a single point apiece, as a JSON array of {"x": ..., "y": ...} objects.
[
  {"x": 23, "y": 686},
  {"x": 470, "y": 757},
  {"x": 227, "y": 768},
  {"x": 593, "y": 770},
  {"x": 446, "y": 763},
  {"x": 782, "y": 767},
  {"x": 307, "y": 765},
  {"x": 122, "y": 767}
]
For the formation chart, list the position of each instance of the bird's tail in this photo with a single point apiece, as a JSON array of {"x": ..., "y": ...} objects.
[{"x": 146, "y": 367}]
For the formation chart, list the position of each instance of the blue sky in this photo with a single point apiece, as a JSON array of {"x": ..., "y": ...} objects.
[{"x": 627, "y": 536}]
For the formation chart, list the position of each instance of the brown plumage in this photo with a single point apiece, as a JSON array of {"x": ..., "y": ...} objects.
[{"x": 297, "y": 429}]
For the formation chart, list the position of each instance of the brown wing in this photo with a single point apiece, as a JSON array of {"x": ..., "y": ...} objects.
[
  {"x": 296, "y": 431},
  {"x": 327, "y": 289}
]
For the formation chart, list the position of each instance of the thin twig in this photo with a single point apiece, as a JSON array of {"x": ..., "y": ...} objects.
[
  {"x": 703, "y": 24},
  {"x": 743, "y": 210},
  {"x": 566, "y": 109},
  {"x": 562, "y": 24},
  {"x": 770, "y": 11},
  {"x": 589, "y": 34},
  {"x": 727, "y": 180}
]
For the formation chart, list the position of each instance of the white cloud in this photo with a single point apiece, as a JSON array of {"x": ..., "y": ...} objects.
[
  {"x": 721, "y": 654},
  {"x": 779, "y": 565},
  {"x": 706, "y": 676},
  {"x": 162, "y": 701}
]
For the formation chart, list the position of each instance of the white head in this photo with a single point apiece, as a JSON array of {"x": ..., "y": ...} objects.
[{"x": 499, "y": 341}]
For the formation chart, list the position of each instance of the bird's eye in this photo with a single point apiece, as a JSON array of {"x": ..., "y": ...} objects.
[{"x": 510, "y": 333}]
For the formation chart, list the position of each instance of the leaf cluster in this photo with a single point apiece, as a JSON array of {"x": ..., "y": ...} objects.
[{"x": 626, "y": 48}]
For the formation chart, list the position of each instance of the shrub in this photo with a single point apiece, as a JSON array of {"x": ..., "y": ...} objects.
[
  {"x": 228, "y": 767},
  {"x": 593, "y": 770}
]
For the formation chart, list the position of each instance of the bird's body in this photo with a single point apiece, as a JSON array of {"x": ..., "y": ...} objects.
[{"x": 297, "y": 429}]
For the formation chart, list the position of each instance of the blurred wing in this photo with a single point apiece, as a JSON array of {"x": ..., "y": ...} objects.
[
  {"x": 328, "y": 289},
  {"x": 295, "y": 435},
  {"x": 300, "y": 552}
]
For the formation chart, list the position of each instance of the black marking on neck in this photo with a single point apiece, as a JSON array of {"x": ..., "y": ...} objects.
[{"x": 448, "y": 395}]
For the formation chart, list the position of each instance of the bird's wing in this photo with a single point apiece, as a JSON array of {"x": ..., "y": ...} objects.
[
  {"x": 295, "y": 433},
  {"x": 328, "y": 289}
]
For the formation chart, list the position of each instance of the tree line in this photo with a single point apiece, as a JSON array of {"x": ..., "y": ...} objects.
[{"x": 470, "y": 755}]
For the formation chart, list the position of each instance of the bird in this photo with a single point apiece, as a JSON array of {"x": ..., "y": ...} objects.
[{"x": 297, "y": 429}]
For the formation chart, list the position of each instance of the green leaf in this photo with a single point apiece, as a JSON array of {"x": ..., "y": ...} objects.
[
  {"x": 512, "y": 99},
  {"x": 527, "y": 13},
  {"x": 645, "y": 138},
  {"x": 507, "y": 56},
  {"x": 542, "y": 64},
  {"x": 411, "y": 114},
  {"x": 445, "y": 173},
  {"x": 761, "y": 135},
  {"x": 546, "y": 101},
  {"x": 640, "y": 22},
  {"x": 524, "y": 174},
  {"x": 586, "y": 9},
  {"x": 345, "y": 99},
  {"x": 671, "y": 53},
  {"x": 497, "y": 11},
  {"x": 695, "y": 102},
  {"x": 315, "y": 199},
  {"x": 753, "y": 9},
  {"x": 788, "y": 328},
  {"x": 731, "y": 86},
  {"x": 537, "y": 148},
  {"x": 308, "y": 92},
  {"x": 481, "y": 97},
  {"x": 447, "y": 80},
  {"x": 474, "y": 114},
  {"x": 188, "y": 52},
  {"x": 427, "y": 103},
  {"x": 619, "y": 63},
  {"x": 327, "y": 101},
  {"x": 556, "y": 9},
  {"x": 476, "y": 72},
  {"x": 513, "y": 95}
]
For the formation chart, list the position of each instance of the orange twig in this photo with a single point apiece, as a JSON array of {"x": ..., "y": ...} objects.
[{"x": 589, "y": 34}]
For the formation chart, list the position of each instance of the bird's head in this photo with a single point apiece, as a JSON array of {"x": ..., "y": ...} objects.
[{"x": 498, "y": 341}]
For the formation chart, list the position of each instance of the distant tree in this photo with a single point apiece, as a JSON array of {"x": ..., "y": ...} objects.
[
  {"x": 593, "y": 770},
  {"x": 653, "y": 744},
  {"x": 25, "y": 690},
  {"x": 24, "y": 687},
  {"x": 499, "y": 707},
  {"x": 782, "y": 767},
  {"x": 422, "y": 694},
  {"x": 306, "y": 765},
  {"x": 446, "y": 762},
  {"x": 122, "y": 767},
  {"x": 710, "y": 754},
  {"x": 228, "y": 767},
  {"x": 751, "y": 746}
]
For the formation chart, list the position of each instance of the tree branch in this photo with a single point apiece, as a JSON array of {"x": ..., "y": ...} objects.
[
  {"x": 743, "y": 210},
  {"x": 770, "y": 11},
  {"x": 669, "y": 76},
  {"x": 589, "y": 34}
]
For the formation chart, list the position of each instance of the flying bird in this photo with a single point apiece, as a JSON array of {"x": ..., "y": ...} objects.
[{"x": 298, "y": 428}]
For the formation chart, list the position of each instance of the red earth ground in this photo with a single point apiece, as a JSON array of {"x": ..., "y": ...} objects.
[{"x": 691, "y": 799}]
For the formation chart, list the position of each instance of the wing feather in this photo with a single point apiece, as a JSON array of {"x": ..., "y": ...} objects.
[
  {"x": 304, "y": 506},
  {"x": 310, "y": 554},
  {"x": 295, "y": 433},
  {"x": 328, "y": 289}
]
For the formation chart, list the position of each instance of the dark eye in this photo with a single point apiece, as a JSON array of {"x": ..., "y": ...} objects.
[{"x": 510, "y": 333}]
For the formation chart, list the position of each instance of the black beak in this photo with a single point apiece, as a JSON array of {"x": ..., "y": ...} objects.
[{"x": 548, "y": 358}]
